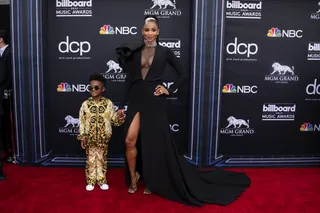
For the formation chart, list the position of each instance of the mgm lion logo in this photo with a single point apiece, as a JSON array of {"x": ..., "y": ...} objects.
[
  {"x": 113, "y": 66},
  {"x": 319, "y": 6},
  {"x": 281, "y": 69},
  {"x": 237, "y": 123},
  {"x": 164, "y": 3},
  {"x": 71, "y": 121}
]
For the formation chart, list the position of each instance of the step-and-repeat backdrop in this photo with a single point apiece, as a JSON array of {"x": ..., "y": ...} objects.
[
  {"x": 270, "y": 83},
  {"x": 253, "y": 66},
  {"x": 82, "y": 39}
]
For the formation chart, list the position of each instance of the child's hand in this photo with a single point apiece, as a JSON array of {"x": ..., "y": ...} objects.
[
  {"x": 120, "y": 114},
  {"x": 83, "y": 143}
]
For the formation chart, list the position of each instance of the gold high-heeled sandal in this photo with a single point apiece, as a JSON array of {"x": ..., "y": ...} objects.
[
  {"x": 147, "y": 191},
  {"x": 131, "y": 189}
]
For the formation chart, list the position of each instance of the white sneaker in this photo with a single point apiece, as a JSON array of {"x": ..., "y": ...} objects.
[
  {"x": 89, "y": 187},
  {"x": 104, "y": 186}
]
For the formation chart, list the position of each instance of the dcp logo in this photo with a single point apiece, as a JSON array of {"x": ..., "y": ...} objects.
[
  {"x": 242, "y": 48},
  {"x": 74, "y": 46},
  {"x": 313, "y": 89}
]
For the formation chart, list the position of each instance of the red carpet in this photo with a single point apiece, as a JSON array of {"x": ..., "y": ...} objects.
[{"x": 62, "y": 190}]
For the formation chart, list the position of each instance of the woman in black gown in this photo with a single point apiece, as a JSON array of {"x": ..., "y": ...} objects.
[{"x": 153, "y": 156}]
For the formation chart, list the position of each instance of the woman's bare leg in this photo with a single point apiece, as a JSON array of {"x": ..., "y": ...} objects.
[{"x": 131, "y": 149}]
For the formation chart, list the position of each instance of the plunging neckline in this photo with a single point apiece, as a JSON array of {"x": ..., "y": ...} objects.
[{"x": 150, "y": 67}]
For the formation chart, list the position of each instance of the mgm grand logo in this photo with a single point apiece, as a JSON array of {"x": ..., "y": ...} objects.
[
  {"x": 282, "y": 74},
  {"x": 163, "y": 9},
  {"x": 114, "y": 73},
  {"x": 71, "y": 126},
  {"x": 237, "y": 127}
]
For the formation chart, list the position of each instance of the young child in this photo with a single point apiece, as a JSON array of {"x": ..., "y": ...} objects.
[{"x": 96, "y": 116}]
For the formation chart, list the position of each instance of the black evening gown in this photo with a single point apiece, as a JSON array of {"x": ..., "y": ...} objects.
[{"x": 164, "y": 170}]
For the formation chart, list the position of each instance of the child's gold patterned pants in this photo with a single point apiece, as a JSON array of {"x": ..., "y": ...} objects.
[{"x": 96, "y": 165}]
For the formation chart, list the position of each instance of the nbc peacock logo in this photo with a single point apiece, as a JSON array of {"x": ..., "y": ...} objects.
[
  {"x": 106, "y": 30},
  {"x": 118, "y": 30},
  {"x": 306, "y": 127},
  {"x": 274, "y": 32},
  {"x": 229, "y": 88},
  {"x": 244, "y": 89},
  {"x": 64, "y": 87}
]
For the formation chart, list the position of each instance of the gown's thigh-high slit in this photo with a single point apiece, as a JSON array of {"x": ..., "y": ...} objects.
[{"x": 164, "y": 171}]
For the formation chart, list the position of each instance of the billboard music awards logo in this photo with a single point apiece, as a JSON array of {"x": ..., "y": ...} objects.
[
  {"x": 244, "y": 9},
  {"x": 316, "y": 15},
  {"x": 65, "y": 87},
  {"x": 244, "y": 89},
  {"x": 313, "y": 91},
  {"x": 278, "y": 112},
  {"x": 74, "y": 50},
  {"x": 241, "y": 51},
  {"x": 71, "y": 126},
  {"x": 70, "y": 8},
  {"x": 281, "y": 74},
  {"x": 163, "y": 9},
  {"x": 124, "y": 30},
  {"x": 174, "y": 44},
  {"x": 237, "y": 127},
  {"x": 275, "y": 32},
  {"x": 314, "y": 51},
  {"x": 308, "y": 127},
  {"x": 114, "y": 72}
]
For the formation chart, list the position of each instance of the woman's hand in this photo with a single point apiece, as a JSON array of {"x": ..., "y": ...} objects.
[{"x": 159, "y": 90}]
